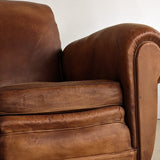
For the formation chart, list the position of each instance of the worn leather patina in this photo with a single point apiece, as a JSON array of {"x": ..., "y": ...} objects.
[{"x": 96, "y": 100}]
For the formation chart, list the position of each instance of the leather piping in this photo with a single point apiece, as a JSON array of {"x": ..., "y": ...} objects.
[
  {"x": 57, "y": 112},
  {"x": 130, "y": 151},
  {"x": 55, "y": 130}
]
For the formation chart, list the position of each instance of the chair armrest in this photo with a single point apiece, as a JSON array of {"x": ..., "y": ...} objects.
[{"x": 130, "y": 54}]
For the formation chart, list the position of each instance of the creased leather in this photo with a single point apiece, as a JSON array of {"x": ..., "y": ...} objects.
[
  {"x": 37, "y": 123},
  {"x": 28, "y": 31},
  {"x": 67, "y": 143},
  {"x": 47, "y": 97}
]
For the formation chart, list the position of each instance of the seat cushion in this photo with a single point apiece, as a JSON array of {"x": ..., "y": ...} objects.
[
  {"x": 29, "y": 123},
  {"x": 49, "y": 97},
  {"x": 93, "y": 134}
]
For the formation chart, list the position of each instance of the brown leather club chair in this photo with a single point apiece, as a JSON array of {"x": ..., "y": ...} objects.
[{"x": 105, "y": 110}]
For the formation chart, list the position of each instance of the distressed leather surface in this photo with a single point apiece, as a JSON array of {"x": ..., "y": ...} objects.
[
  {"x": 57, "y": 97},
  {"x": 29, "y": 43},
  {"x": 30, "y": 123},
  {"x": 127, "y": 155},
  {"x": 126, "y": 53},
  {"x": 58, "y": 136},
  {"x": 112, "y": 54}
]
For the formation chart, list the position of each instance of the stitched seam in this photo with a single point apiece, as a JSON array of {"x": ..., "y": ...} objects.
[
  {"x": 129, "y": 151},
  {"x": 55, "y": 130},
  {"x": 54, "y": 112}
]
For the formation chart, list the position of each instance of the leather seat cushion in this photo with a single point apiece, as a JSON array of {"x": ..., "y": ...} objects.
[
  {"x": 93, "y": 134},
  {"x": 28, "y": 123},
  {"x": 47, "y": 97}
]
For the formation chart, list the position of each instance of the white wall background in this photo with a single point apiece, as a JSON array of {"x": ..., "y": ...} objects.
[{"x": 79, "y": 18}]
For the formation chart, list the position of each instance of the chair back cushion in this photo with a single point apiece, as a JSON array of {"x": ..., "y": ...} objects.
[{"x": 29, "y": 43}]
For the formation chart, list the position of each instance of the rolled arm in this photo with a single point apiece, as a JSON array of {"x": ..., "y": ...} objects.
[{"x": 130, "y": 54}]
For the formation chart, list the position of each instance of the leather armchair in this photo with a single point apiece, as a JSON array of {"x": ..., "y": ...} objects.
[{"x": 96, "y": 100}]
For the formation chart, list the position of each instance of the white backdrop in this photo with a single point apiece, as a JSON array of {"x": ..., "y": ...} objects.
[{"x": 79, "y": 18}]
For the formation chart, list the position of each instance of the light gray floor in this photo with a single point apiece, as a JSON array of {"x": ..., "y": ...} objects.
[{"x": 156, "y": 153}]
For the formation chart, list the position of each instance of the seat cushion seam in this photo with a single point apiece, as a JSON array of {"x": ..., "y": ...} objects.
[{"x": 55, "y": 130}]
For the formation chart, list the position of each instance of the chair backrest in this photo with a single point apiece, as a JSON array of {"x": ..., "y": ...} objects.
[{"x": 29, "y": 43}]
